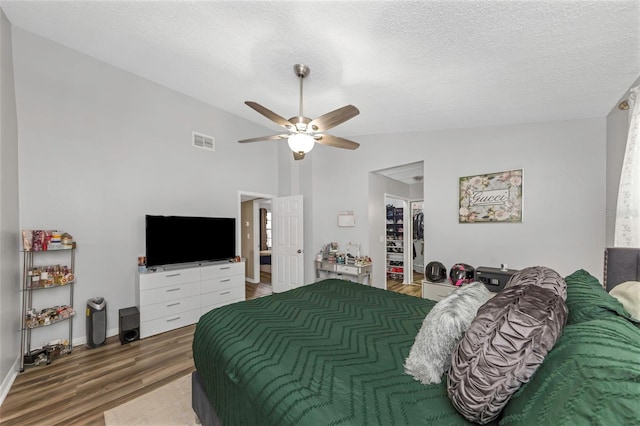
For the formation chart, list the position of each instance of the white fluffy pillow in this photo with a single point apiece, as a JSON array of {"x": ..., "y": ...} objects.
[
  {"x": 628, "y": 293},
  {"x": 441, "y": 330}
]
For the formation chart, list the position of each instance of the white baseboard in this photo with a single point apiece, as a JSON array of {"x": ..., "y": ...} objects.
[
  {"x": 5, "y": 387},
  {"x": 83, "y": 340},
  {"x": 9, "y": 379}
]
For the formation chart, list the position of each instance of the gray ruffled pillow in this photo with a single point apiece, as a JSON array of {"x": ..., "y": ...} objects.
[
  {"x": 503, "y": 347},
  {"x": 441, "y": 330},
  {"x": 542, "y": 277}
]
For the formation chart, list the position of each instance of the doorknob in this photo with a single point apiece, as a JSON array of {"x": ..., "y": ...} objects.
[{"x": 299, "y": 251}]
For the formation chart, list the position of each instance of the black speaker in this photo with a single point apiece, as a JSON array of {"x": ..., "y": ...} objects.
[
  {"x": 494, "y": 278},
  {"x": 129, "y": 324}
]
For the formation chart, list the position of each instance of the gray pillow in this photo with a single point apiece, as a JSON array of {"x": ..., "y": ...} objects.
[
  {"x": 542, "y": 277},
  {"x": 503, "y": 347},
  {"x": 442, "y": 328}
]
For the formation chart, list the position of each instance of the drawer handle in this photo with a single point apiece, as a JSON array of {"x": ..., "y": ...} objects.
[
  {"x": 172, "y": 275},
  {"x": 173, "y": 304},
  {"x": 173, "y": 289},
  {"x": 173, "y": 319},
  {"x": 226, "y": 267},
  {"x": 226, "y": 292},
  {"x": 224, "y": 281}
]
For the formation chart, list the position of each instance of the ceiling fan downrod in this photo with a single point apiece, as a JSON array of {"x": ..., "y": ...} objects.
[{"x": 301, "y": 70}]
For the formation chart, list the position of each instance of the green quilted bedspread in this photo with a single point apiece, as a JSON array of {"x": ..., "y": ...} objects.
[{"x": 325, "y": 354}]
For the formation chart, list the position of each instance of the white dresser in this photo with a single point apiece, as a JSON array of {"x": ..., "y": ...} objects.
[{"x": 175, "y": 298}]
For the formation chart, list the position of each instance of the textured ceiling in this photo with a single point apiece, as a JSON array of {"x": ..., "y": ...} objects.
[{"x": 408, "y": 66}]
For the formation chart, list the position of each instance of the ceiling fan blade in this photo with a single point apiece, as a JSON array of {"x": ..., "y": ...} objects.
[
  {"x": 280, "y": 121},
  {"x": 264, "y": 138},
  {"x": 336, "y": 141},
  {"x": 298, "y": 155},
  {"x": 333, "y": 118}
]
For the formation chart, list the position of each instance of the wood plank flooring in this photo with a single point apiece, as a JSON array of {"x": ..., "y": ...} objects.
[
  {"x": 413, "y": 289},
  {"x": 77, "y": 388},
  {"x": 263, "y": 288}
]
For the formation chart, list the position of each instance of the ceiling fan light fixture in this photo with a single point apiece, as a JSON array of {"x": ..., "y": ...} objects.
[
  {"x": 305, "y": 132},
  {"x": 300, "y": 142}
]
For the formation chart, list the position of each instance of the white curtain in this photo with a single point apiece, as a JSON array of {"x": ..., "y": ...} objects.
[{"x": 627, "y": 232}]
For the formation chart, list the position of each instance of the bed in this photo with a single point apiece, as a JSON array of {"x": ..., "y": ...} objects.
[
  {"x": 265, "y": 261},
  {"x": 333, "y": 352}
]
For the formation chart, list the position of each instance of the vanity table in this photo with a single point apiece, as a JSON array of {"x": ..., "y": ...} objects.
[{"x": 350, "y": 272}]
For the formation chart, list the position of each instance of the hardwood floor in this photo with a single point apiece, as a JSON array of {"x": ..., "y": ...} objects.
[
  {"x": 413, "y": 289},
  {"x": 263, "y": 288},
  {"x": 77, "y": 388}
]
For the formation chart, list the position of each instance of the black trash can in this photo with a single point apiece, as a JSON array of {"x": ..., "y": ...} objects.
[{"x": 96, "y": 322}]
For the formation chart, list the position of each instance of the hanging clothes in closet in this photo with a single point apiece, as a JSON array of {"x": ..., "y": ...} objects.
[{"x": 418, "y": 241}]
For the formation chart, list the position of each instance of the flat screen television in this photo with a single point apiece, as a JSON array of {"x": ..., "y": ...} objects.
[{"x": 185, "y": 239}]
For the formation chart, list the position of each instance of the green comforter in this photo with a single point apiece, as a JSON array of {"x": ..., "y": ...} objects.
[
  {"x": 325, "y": 354},
  {"x": 333, "y": 352}
]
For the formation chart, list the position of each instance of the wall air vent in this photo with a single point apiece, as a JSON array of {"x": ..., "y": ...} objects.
[{"x": 204, "y": 142}]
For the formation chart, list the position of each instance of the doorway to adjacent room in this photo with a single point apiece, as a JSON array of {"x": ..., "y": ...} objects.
[{"x": 254, "y": 240}]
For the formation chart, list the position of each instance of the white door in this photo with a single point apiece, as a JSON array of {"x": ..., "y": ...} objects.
[{"x": 287, "y": 251}]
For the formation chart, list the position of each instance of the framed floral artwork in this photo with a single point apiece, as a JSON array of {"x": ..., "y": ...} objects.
[{"x": 493, "y": 197}]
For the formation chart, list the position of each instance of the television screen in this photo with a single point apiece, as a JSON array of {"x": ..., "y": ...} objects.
[{"x": 183, "y": 239}]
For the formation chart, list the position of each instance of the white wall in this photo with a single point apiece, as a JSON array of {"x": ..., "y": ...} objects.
[
  {"x": 9, "y": 256},
  {"x": 564, "y": 193},
  {"x": 100, "y": 148}
]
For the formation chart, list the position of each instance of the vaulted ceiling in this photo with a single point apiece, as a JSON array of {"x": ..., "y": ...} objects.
[{"x": 407, "y": 65}]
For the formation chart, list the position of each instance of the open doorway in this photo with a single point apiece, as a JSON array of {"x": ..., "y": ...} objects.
[
  {"x": 264, "y": 239},
  {"x": 401, "y": 189},
  {"x": 397, "y": 247},
  {"x": 254, "y": 240}
]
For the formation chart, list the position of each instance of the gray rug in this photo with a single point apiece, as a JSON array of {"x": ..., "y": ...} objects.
[{"x": 167, "y": 405}]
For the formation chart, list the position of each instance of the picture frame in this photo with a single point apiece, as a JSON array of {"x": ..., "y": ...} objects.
[
  {"x": 346, "y": 219},
  {"x": 492, "y": 197}
]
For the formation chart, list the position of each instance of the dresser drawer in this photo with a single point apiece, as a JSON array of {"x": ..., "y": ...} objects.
[
  {"x": 223, "y": 270},
  {"x": 222, "y": 297},
  {"x": 164, "y": 294},
  {"x": 160, "y": 325},
  {"x": 217, "y": 284},
  {"x": 171, "y": 299},
  {"x": 168, "y": 278},
  {"x": 169, "y": 308},
  {"x": 436, "y": 291}
]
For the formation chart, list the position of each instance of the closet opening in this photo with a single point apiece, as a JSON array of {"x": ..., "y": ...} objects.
[
  {"x": 397, "y": 249},
  {"x": 395, "y": 194}
]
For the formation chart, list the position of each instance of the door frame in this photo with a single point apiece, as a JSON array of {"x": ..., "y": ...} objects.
[
  {"x": 411, "y": 230},
  {"x": 405, "y": 245},
  {"x": 251, "y": 196}
]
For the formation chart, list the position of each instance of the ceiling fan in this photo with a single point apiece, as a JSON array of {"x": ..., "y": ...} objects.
[{"x": 305, "y": 132}]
